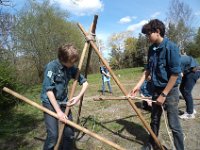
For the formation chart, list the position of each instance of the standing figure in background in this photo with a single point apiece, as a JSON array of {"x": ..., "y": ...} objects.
[
  {"x": 105, "y": 78},
  {"x": 190, "y": 75}
]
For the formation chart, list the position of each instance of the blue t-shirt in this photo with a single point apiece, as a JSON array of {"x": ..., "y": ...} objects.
[
  {"x": 56, "y": 79},
  {"x": 104, "y": 77},
  {"x": 188, "y": 63},
  {"x": 163, "y": 61}
]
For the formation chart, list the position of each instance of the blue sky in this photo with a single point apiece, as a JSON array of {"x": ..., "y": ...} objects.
[{"x": 119, "y": 15}]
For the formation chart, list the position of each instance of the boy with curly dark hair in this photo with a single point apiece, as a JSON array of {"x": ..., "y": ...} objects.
[{"x": 164, "y": 69}]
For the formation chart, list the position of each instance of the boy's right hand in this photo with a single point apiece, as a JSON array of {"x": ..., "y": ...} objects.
[
  {"x": 62, "y": 117},
  {"x": 134, "y": 91}
]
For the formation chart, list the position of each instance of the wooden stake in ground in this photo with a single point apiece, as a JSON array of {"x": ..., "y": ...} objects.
[
  {"x": 92, "y": 134},
  {"x": 123, "y": 90},
  {"x": 62, "y": 126}
]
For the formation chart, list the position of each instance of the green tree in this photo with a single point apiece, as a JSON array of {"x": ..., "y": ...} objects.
[
  {"x": 142, "y": 50},
  {"x": 116, "y": 43},
  {"x": 194, "y": 47},
  {"x": 180, "y": 19},
  {"x": 130, "y": 52},
  {"x": 40, "y": 29}
]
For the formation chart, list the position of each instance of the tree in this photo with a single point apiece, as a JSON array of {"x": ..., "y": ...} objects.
[
  {"x": 40, "y": 29},
  {"x": 130, "y": 52},
  {"x": 180, "y": 19},
  {"x": 116, "y": 43},
  {"x": 194, "y": 47},
  {"x": 142, "y": 50}
]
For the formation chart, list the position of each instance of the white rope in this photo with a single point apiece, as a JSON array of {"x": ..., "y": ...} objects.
[
  {"x": 168, "y": 132},
  {"x": 166, "y": 124}
]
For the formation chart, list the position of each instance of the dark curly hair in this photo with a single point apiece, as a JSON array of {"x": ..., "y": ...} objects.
[{"x": 152, "y": 26}]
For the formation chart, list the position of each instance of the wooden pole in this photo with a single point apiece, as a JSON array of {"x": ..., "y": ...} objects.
[
  {"x": 93, "y": 29},
  {"x": 102, "y": 98},
  {"x": 62, "y": 126},
  {"x": 92, "y": 134},
  {"x": 123, "y": 90}
]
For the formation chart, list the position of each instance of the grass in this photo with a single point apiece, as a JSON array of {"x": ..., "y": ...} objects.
[{"x": 24, "y": 123}]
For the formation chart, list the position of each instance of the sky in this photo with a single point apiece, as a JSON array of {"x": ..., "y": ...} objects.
[{"x": 116, "y": 16}]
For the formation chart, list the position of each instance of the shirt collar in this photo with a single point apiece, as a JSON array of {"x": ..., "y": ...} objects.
[
  {"x": 60, "y": 66},
  {"x": 161, "y": 45}
]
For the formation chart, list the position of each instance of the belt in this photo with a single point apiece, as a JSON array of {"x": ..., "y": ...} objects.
[{"x": 62, "y": 104}]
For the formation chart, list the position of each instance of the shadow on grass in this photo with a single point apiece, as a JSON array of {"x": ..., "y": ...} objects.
[
  {"x": 139, "y": 134},
  {"x": 17, "y": 129}
]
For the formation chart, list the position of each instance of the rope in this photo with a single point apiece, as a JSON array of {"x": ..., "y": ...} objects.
[
  {"x": 165, "y": 119},
  {"x": 168, "y": 132}
]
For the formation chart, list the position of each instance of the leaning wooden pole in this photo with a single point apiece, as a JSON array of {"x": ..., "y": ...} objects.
[
  {"x": 92, "y": 134},
  {"x": 93, "y": 31},
  {"x": 62, "y": 126},
  {"x": 123, "y": 90}
]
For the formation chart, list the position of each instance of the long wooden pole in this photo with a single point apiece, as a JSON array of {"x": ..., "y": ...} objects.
[
  {"x": 93, "y": 29},
  {"x": 123, "y": 90},
  {"x": 62, "y": 126},
  {"x": 92, "y": 134}
]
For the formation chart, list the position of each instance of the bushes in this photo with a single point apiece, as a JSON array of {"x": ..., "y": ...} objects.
[{"x": 7, "y": 79}]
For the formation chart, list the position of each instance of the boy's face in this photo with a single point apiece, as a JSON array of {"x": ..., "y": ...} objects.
[{"x": 154, "y": 37}]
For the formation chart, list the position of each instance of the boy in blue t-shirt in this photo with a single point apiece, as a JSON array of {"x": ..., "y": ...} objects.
[{"x": 105, "y": 79}]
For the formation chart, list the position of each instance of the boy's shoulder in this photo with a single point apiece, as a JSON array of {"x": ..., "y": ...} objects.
[
  {"x": 54, "y": 64},
  {"x": 170, "y": 44}
]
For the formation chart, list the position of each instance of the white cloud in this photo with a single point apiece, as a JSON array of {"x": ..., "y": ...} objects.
[
  {"x": 137, "y": 26},
  {"x": 155, "y": 14},
  {"x": 82, "y": 7},
  {"x": 126, "y": 19}
]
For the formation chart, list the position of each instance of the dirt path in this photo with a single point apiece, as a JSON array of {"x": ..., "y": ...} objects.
[{"x": 118, "y": 122}]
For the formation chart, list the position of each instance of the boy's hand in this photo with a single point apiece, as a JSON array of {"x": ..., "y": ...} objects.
[
  {"x": 73, "y": 101},
  {"x": 160, "y": 100},
  {"x": 62, "y": 117},
  {"x": 134, "y": 91}
]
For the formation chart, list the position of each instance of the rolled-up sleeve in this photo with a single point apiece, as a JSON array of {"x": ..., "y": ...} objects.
[
  {"x": 81, "y": 78},
  {"x": 174, "y": 59}
]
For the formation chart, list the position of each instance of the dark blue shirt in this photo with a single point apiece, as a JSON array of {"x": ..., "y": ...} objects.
[
  {"x": 163, "y": 61},
  {"x": 56, "y": 79},
  {"x": 188, "y": 63}
]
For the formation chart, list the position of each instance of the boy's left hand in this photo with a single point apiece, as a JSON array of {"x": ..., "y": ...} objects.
[
  {"x": 73, "y": 101},
  {"x": 160, "y": 100}
]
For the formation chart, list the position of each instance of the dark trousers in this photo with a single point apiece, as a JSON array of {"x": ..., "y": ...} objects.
[
  {"x": 171, "y": 106},
  {"x": 187, "y": 84},
  {"x": 51, "y": 123}
]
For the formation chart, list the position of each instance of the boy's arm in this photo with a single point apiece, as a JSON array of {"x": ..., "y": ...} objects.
[
  {"x": 61, "y": 115},
  {"x": 74, "y": 100},
  {"x": 103, "y": 72},
  {"x": 134, "y": 91},
  {"x": 170, "y": 85}
]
